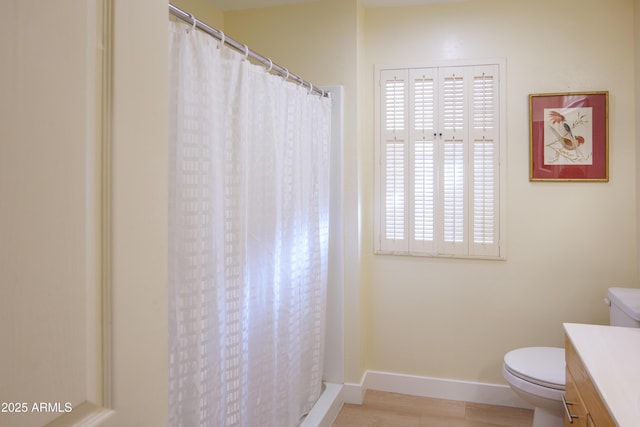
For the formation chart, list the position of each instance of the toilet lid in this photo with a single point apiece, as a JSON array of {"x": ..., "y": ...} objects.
[{"x": 544, "y": 366}]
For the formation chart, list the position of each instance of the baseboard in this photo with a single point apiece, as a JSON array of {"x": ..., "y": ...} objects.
[
  {"x": 353, "y": 392},
  {"x": 326, "y": 408},
  {"x": 439, "y": 388}
]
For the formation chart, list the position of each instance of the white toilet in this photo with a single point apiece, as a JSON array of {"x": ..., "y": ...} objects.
[{"x": 536, "y": 374}]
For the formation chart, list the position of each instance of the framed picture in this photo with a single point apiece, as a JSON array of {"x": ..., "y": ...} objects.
[{"x": 569, "y": 136}]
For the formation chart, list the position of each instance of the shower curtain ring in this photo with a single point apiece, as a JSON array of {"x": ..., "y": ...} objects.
[
  {"x": 222, "y": 39},
  {"x": 194, "y": 23},
  {"x": 270, "y": 65},
  {"x": 246, "y": 52},
  {"x": 310, "y": 88},
  {"x": 287, "y": 76}
]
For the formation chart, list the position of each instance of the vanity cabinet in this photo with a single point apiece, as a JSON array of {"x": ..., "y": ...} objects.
[
  {"x": 575, "y": 409},
  {"x": 583, "y": 405}
]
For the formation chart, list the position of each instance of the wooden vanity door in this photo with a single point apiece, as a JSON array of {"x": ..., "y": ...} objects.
[{"x": 576, "y": 412}]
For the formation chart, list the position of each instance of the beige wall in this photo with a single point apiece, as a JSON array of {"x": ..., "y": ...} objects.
[
  {"x": 203, "y": 11},
  {"x": 636, "y": 7},
  {"x": 138, "y": 214},
  {"x": 567, "y": 242}
]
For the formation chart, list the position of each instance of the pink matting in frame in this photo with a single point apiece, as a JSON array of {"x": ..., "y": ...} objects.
[{"x": 569, "y": 136}]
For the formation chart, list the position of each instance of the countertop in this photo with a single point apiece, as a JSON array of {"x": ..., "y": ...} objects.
[{"x": 611, "y": 355}]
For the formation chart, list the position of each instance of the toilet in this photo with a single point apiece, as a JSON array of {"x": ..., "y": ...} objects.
[{"x": 536, "y": 374}]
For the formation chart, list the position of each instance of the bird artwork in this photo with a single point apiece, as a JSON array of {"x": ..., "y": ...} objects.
[{"x": 569, "y": 138}]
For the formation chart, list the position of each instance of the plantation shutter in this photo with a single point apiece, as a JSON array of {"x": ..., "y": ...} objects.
[
  {"x": 484, "y": 236},
  {"x": 422, "y": 155},
  {"x": 438, "y": 169},
  {"x": 453, "y": 172},
  {"x": 393, "y": 157}
]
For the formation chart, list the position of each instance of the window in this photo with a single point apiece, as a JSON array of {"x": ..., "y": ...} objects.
[{"x": 439, "y": 161}]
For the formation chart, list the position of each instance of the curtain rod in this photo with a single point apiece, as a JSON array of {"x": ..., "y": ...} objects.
[{"x": 242, "y": 48}]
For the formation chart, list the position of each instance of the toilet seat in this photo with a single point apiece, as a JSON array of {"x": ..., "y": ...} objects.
[{"x": 542, "y": 366}]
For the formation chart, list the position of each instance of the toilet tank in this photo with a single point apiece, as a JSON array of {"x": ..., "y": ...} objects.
[{"x": 625, "y": 307}]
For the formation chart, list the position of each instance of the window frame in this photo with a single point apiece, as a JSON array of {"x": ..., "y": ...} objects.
[{"x": 404, "y": 248}]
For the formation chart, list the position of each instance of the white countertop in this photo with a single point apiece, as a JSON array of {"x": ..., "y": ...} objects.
[{"x": 611, "y": 355}]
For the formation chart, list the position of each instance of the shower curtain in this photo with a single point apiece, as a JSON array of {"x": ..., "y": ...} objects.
[{"x": 248, "y": 238}]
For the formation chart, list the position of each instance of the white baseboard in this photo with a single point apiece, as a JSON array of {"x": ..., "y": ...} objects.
[
  {"x": 439, "y": 388},
  {"x": 326, "y": 408},
  {"x": 354, "y": 393}
]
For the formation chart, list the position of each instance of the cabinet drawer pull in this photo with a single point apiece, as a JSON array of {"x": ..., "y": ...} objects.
[{"x": 566, "y": 404}]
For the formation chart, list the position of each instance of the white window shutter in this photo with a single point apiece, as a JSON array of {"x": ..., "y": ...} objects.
[
  {"x": 423, "y": 97},
  {"x": 394, "y": 179},
  {"x": 454, "y": 171},
  {"x": 484, "y": 234},
  {"x": 438, "y": 165}
]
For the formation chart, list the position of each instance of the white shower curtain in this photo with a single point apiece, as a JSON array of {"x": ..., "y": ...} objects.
[{"x": 249, "y": 196}]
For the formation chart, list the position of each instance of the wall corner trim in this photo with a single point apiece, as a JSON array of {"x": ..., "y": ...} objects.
[{"x": 354, "y": 392}]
